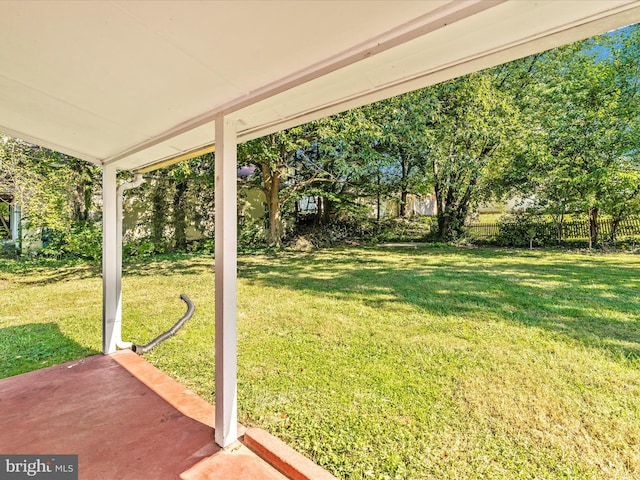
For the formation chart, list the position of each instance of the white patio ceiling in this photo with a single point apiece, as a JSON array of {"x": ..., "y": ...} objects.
[{"x": 137, "y": 83}]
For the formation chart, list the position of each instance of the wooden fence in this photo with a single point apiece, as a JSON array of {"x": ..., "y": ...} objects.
[
  {"x": 482, "y": 231},
  {"x": 575, "y": 229}
]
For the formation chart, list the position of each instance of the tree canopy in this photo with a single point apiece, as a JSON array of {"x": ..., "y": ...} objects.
[{"x": 561, "y": 129}]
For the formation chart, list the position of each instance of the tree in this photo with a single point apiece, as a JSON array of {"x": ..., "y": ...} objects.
[
  {"x": 186, "y": 180},
  {"x": 476, "y": 127},
  {"x": 346, "y": 152},
  {"x": 620, "y": 195},
  {"x": 56, "y": 194},
  {"x": 54, "y": 191},
  {"x": 279, "y": 171},
  {"x": 404, "y": 143},
  {"x": 584, "y": 98},
  {"x": 5, "y": 232},
  {"x": 159, "y": 211}
]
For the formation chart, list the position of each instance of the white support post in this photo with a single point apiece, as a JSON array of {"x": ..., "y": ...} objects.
[
  {"x": 226, "y": 421},
  {"x": 111, "y": 291}
]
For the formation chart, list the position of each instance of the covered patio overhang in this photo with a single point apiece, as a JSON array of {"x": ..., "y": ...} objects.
[{"x": 135, "y": 86}]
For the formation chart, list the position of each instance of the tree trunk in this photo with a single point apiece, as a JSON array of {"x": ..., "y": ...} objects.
[
  {"x": 274, "y": 234},
  {"x": 88, "y": 201},
  {"x": 446, "y": 213},
  {"x": 82, "y": 198},
  {"x": 271, "y": 179},
  {"x": 404, "y": 181},
  {"x": 403, "y": 203},
  {"x": 560, "y": 224},
  {"x": 5, "y": 231},
  {"x": 327, "y": 210},
  {"x": 443, "y": 221},
  {"x": 615, "y": 222},
  {"x": 319, "y": 209},
  {"x": 378, "y": 199},
  {"x": 593, "y": 226}
]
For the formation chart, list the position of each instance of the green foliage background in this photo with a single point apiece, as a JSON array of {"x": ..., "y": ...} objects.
[{"x": 560, "y": 129}]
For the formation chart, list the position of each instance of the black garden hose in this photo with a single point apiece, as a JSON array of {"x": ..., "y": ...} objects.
[{"x": 140, "y": 349}]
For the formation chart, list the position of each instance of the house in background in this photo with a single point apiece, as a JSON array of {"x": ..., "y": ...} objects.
[
  {"x": 9, "y": 224},
  {"x": 14, "y": 238},
  {"x": 510, "y": 205}
]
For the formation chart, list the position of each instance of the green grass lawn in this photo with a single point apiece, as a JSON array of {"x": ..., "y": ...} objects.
[{"x": 385, "y": 363}]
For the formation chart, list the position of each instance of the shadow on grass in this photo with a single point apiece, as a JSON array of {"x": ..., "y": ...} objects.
[
  {"x": 44, "y": 271},
  {"x": 170, "y": 265},
  {"x": 587, "y": 298},
  {"x": 24, "y": 348},
  {"x": 65, "y": 274}
]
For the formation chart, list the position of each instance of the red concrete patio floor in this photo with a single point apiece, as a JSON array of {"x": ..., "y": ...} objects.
[{"x": 126, "y": 420}]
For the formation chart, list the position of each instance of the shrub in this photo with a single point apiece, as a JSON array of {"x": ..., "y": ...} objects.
[
  {"x": 140, "y": 247},
  {"x": 419, "y": 229},
  {"x": 525, "y": 230},
  {"x": 8, "y": 249},
  {"x": 81, "y": 241},
  {"x": 251, "y": 233},
  {"x": 325, "y": 234}
]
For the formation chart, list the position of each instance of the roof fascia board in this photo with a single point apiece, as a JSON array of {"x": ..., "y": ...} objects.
[
  {"x": 50, "y": 145},
  {"x": 435, "y": 20},
  {"x": 196, "y": 152}
]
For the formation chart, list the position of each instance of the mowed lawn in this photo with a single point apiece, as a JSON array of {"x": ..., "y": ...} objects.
[{"x": 385, "y": 363}]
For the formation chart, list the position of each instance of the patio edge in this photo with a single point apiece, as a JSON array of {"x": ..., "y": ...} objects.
[
  {"x": 180, "y": 397},
  {"x": 282, "y": 457}
]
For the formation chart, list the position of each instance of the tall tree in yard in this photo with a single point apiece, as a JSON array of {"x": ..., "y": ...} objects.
[
  {"x": 328, "y": 159},
  {"x": 620, "y": 195},
  {"x": 405, "y": 124},
  {"x": 184, "y": 178},
  {"x": 172, "y": 200},
  {"x": 274, "y": 157},
  {"x": 585, "y": 100},
  {"x": 347, "y": 153},
  {"x": 475, "y": 127},
  {"x": 159, "y": 211}
]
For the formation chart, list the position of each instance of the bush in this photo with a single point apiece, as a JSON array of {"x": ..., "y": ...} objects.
[
  {"x": 525, "y": 230},
  {"x": 8, "y": 249},
  {"x": 81, "y": 241},
  {"x": 356, "y": 230},
  {"x": 140, "y": 247},
  {"x": 251, "y": 233},
  {"x": 418, "y": 229},
  {"x": 204, "y": 245},
  {"x": 85, "y": 242},
  {"x": 323, "y": 235}
]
